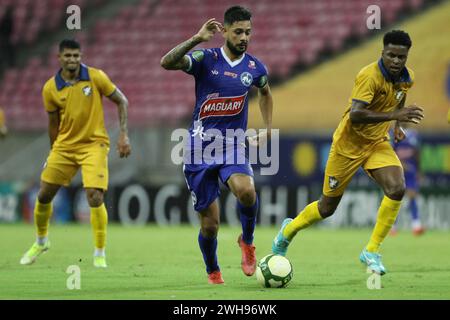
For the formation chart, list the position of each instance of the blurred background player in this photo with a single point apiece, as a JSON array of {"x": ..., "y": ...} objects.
[
  {"x": 3, "y": 129},
  {"x": 222, "y": 75},
  {"x": 377, "y": 98},
  {"x": 78, "y": 138},
  {"x": 408, "y": 152}
]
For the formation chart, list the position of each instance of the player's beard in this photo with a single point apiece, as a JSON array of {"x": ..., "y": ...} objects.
[
  {"x": 234, "y": 50},
  {"x": 72, "y": 69}
]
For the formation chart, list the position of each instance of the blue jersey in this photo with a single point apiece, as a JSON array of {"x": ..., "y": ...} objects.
[
  {"x": 221, "y": 89},
  {"x": 407, "y": 150}
]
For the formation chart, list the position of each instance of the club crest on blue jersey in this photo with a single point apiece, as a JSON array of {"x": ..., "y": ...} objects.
[{"x": 246, "y": 79}]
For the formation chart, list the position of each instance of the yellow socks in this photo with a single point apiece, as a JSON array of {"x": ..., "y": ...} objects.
[
  {"x": 99, "y": 221},
  {"x": 304, "y": 219},
  {"x": 385, "y": 220},
  {"x": 42, "y": 215}
]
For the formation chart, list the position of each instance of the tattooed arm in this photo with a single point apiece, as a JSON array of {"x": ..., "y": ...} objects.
[
  {"x": 123, "y": 144},
  {"x": 176, "y": 58}
]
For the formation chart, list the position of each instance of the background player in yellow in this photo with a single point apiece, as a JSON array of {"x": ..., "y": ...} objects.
[
  {"x": 78, "y": 139},
  {"x": 3, "y": 129},
  {"x": 361, "y": 139}
]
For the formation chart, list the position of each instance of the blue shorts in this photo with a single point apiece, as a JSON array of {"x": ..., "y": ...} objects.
[
  {"x": 411, "y": 180},
  {"x": 203, "y": 180}
]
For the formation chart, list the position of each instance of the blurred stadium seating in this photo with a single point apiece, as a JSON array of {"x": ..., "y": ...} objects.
[
  {"x": 33, "y": 18},
  {"x": 128, "y": 46},
  {"x": 327, "y": 87}
]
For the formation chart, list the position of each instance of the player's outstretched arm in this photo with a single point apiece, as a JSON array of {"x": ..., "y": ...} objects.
[
  {"x": 53, "y": 126},
  {"x": 123, "y": 144},
  {"x": 359, "y": 114},
  {"x": 266, "y": 107},
  {"x": 176, "y": 58}
]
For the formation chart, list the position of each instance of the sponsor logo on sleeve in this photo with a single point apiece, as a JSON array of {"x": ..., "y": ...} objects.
[
  {"x": 198, "y": 55},
  {"x": 262, "y": 81}
]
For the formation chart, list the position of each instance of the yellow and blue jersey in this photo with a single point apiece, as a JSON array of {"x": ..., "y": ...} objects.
[
  {"x": 374, "y": 87},
  {"x": 80, "y": 107}
]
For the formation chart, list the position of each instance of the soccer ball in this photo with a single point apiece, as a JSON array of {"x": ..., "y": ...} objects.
[{"x": 274, "y": 271}]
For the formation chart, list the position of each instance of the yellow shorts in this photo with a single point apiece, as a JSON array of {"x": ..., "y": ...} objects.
[
  {"x": 340, "y": 170},
  {"x": 61, "y": 166}
]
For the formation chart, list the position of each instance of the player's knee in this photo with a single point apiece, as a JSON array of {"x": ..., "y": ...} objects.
[
  {"x": 95, "y": 198},
  {"x": 326, "y": 209},
  {"x": 395, "y": 191},
  {"x": 210, "y": 230},
  {"x": 45, "y": 196},
  {"x": 247, "y": 196}
]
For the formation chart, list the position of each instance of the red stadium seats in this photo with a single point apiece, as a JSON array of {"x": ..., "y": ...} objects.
[{"x": 129, "y": 47}]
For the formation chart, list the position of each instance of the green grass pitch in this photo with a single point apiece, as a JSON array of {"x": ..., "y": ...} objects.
[{"x": 165, "y": 263}]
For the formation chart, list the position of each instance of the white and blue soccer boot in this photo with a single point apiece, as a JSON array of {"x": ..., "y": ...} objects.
[{"x": 373, "y": 262}]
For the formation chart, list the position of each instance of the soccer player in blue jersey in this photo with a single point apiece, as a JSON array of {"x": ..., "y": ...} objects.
[
  {"x": 223, "y": 78},
  {"x": 408, "y": 152}
]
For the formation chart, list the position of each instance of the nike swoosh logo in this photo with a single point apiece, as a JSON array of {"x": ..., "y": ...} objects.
[{"x": 369, "y": 260}]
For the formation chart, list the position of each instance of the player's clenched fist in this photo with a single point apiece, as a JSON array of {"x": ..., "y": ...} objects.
[
  {"x": 208, "y": 30},
  {"x": 123, "y": 146}
]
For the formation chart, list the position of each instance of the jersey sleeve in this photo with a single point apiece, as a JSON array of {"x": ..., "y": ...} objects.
[
  {"x": 364, "y": 88},
  {"x": 47, "y": 98},
  {"x": 262, "y": 79},
  {"x": 196, "y": 61},
  {"x": 104, "y": 84},
  {"x": 412, "y": 77}
]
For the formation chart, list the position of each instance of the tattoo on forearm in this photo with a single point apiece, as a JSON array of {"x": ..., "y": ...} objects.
[
  {"x": 123, "y": 117},
  {"x": 176, "y": 54}
]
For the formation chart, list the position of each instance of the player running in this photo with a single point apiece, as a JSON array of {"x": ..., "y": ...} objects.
[
  {"x": 78, "y": 138},
  {"x": 361, "y": 139},
  {"x": 223, "y": 78}
]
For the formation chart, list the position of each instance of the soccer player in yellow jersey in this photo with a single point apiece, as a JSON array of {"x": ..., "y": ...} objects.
[
  {"x": 78, "y": 139},
  {"x": 361, "y": 140},
  {"x": 3, "y": 129}
]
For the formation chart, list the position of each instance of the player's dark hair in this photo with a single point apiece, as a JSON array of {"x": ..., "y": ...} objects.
[
  {"x": 236, "y": 13},
  {"x": 397, "y": 37},
  {"x": 69, "y": 44}
]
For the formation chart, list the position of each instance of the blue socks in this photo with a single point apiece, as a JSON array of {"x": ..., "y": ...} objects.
[
  {"x": 248, "y": 220},
  {"x": 414, "y": 209},
  {"x": 208, "y": 246}
]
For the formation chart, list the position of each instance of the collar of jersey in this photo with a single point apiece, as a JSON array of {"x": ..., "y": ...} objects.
[
  {"x": 231, "y": 63},
  {"x": 61, "y": 84},
  {"x": 404, "y": 74}
]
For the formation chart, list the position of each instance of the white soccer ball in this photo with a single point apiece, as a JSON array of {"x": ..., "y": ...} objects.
[{"x": 274, "y": 271}]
